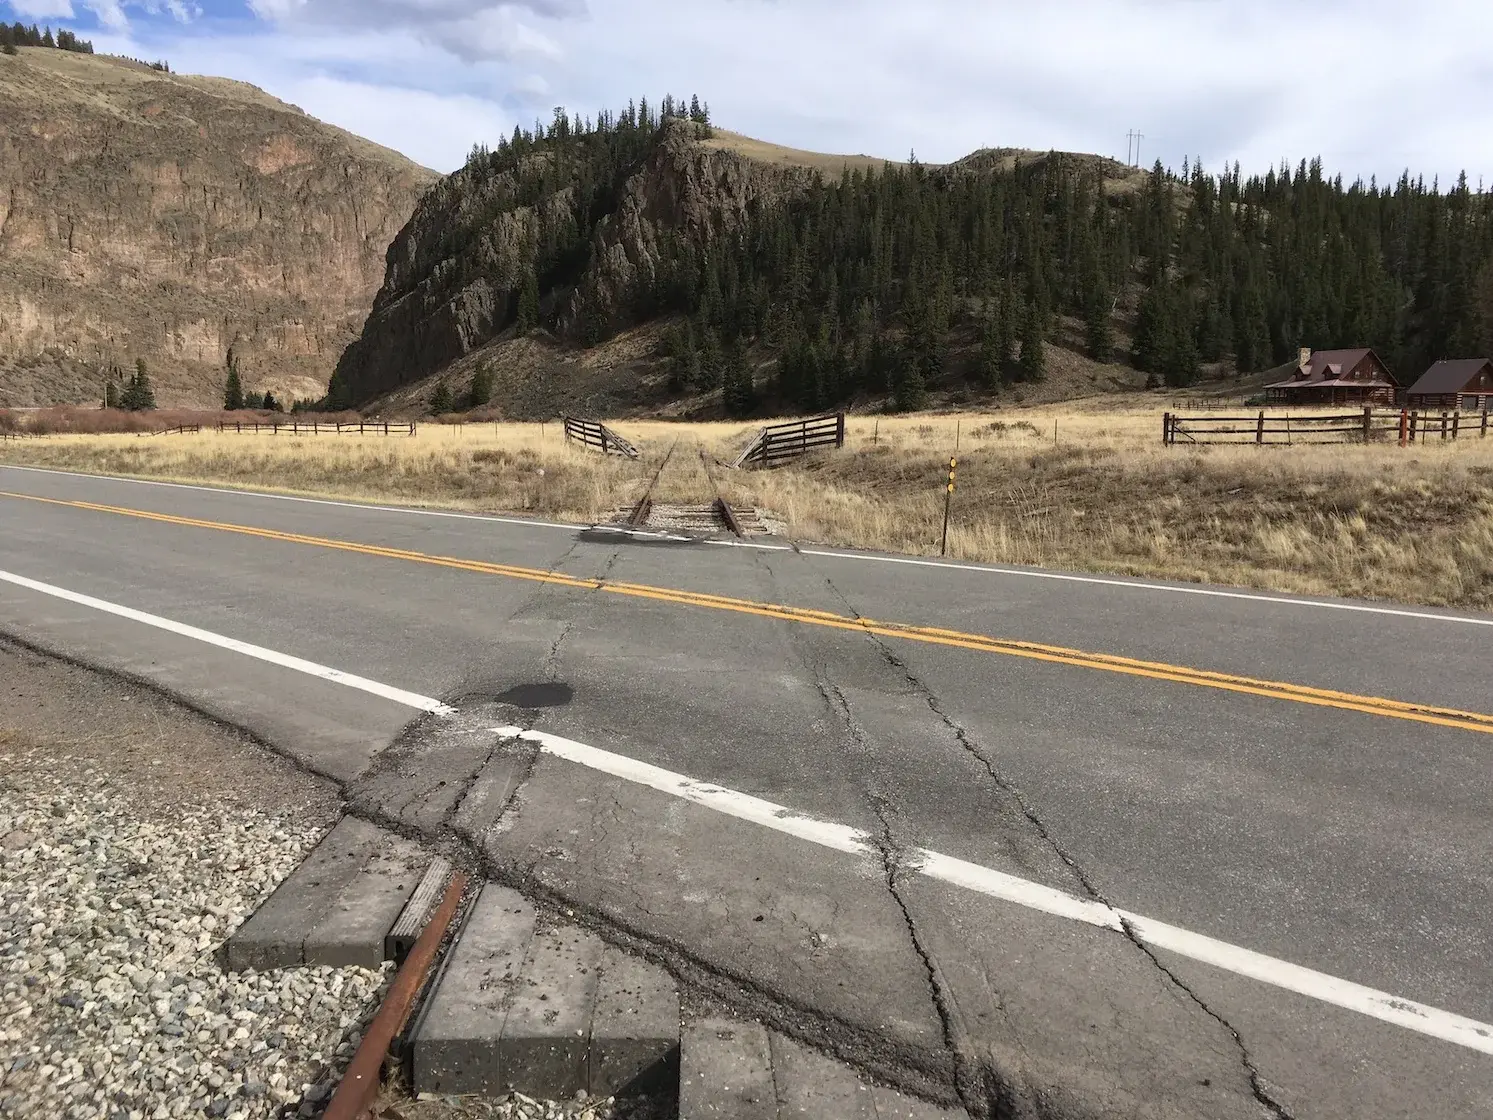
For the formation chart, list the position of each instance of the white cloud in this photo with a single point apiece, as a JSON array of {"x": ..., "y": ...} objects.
[
  {"x": 109, "y": 13},
  {"x": 473, "y": 30},
  {"x": 433, "y": 129},
  {"x": 42, "y": 9},
  {"x": 1373, "y": 86}
]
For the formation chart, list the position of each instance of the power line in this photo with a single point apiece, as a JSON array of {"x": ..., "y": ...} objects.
[{"x": 1132, "y": 145}]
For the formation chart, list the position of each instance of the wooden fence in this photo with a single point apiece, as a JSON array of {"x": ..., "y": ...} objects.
[
  {"x": 1404, "y": 425},
  {"x": 177, "y": 430},
  {"x": 321, "y": 427},
  {"x": 788, "y": 441},
  {"x": 593, "y": 433}
]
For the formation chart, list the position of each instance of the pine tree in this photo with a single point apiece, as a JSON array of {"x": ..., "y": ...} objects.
[
  {"x": 1155, "y": 332},
  {"x": 441, "y": 401},
  {"x": 1099, "y": 335},
  {"x": 738, "y": 393},
  {"x": 1212, "y": 330},
  {"x": 1008, "y": 315},
  {"x": 480, "y": 392},
  {"x": 254, "y": 400},
  {"x": 1033, "y": 360},
  {"x": 992, "y": 368},
  {"x": 712, "y": 360},
  {"x": 233, "y": 388},
  {"x": 1251, "y": 332},
  {"x": 138, "y": 395},
  {"x": 528, "y": 303},
  {"x": 909, "y": 387}
]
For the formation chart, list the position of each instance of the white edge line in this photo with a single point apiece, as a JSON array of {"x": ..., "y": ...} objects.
[
  {"x": 743, "y": 806},
  {"x": 1102, "y": 581},
  {"x": 866, "y": 557},
  {"x": 1417, "y": 1017},
  {"x": 285, "y": 660}
]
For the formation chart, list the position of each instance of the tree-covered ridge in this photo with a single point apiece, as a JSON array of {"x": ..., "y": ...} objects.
[
  {"x": 19, "y": 35},
  {"x": 857, "y": 285}
]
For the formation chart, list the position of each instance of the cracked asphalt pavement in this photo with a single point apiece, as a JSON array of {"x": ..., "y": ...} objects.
[{"x": 1342, "y": 841}]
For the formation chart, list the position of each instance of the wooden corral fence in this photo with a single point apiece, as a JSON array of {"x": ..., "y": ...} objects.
[
  {"x": 1213, "y": 404},
  {"x": 777, "y": 442},
  {"x": 593, "y": 433},
  {"x": 1405, "y": 425},
  {"x": 178, "y": 429},
  {"x": 321, "y": 427}
]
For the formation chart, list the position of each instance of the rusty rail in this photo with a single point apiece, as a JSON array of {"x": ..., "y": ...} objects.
[
  {"x": 723, "y": 508},
  {"x": 360, "y": 1083}
]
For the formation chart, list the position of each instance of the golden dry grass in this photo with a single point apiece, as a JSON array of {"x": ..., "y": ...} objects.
[
  {"x": 1376, "y": 521},
  {"x": 495, "y": 467},
  {"x": 829, "y": 164},
  {"x": 1413, "y": 525}
]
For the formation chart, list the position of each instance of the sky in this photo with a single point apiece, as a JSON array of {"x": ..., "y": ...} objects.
[{"x": 1374, "y": 87}]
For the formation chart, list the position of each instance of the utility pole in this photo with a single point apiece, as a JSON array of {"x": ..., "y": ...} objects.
[{"x": 1132, "y": 145}]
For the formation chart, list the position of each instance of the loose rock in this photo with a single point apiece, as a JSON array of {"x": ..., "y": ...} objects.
[{"x": 112, "y": 1000}]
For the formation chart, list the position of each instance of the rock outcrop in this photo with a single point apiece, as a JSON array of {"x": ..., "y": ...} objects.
[
  {"x": 167, "y": 217},
  {"x": 456, "y": 270}
]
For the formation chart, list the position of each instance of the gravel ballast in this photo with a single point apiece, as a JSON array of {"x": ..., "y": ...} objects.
[
  {"x": 135, "y": 837},
  {"x": 113, "y": 1002}
]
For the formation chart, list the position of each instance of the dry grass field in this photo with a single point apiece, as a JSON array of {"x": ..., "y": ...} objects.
[
  {"x": 509, "y": 467},
  {"x": 1377, "y": 521}
]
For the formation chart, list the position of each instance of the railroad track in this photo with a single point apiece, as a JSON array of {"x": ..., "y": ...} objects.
[
  {"x": 640, "y": 512},
  {"x": 697, "y": 519},
  {"x": 494, "y": 997}
]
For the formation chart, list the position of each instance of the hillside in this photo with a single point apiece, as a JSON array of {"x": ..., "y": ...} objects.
[
  {"x": 573, "y": 267},
  {"x": 169, "y": 217},
  {"x": 647, "y": 262}
]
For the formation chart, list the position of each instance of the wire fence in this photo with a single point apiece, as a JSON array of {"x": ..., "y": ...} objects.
[{"x": 319, "y": 428}]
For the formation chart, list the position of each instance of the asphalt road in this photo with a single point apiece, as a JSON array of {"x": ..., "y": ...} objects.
[{"x": 1306, "y": 783}]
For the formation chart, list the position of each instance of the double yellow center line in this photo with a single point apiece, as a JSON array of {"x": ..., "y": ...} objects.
[{"x": 1058, "y": 655}]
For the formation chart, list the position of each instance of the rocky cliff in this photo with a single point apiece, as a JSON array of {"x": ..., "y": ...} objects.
[
  {"x": 170, "y": 217},
  {"x": 606, "y": 229}
]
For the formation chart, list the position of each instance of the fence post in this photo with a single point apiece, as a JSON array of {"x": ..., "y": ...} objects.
[
  {"x": 1456, "y": 422},
  {"x": 1485, "y": 424},
  {"x": 1166, "y": 429},
  {"x": 603, "y": 438},
  {"x": 1368, "y": 419},
  {"x": 1404, "y": 423},
  {"x": 1260, "y": 428},
  {"x": 840, "y": 431},
  {"x": 1443, "y": 424}
]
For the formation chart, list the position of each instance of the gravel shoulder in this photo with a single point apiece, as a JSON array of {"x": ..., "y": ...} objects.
[{"x": 134, "y": 837}]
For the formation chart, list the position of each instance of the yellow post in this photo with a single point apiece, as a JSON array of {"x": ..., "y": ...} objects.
[{"x": 948, "y": 497}]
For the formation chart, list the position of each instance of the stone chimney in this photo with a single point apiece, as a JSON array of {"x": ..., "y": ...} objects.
[{"x": 1305, "y": 357}]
